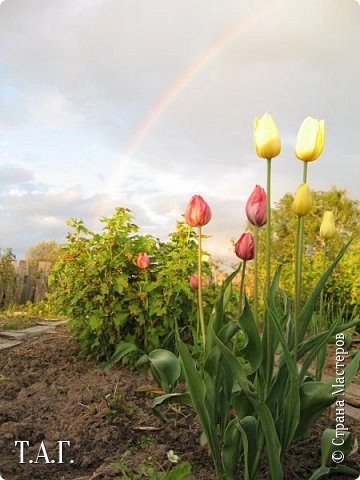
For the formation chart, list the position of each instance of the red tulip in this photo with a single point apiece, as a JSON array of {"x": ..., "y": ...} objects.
[
  {"x": 256, "y": 207},
  {"x": 194, "y": 281},
  {"x": 197, "y": 212},
  {"x": 143, "y": 260},
  {"x": 244, "y": 247}
]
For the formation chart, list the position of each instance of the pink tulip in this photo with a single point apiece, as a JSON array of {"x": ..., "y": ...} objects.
[
  {"x": 194, "y": 281},
  {"x": 143, "y": 260},
  {"x": 256, "y": 207},
  {"x": 197, "y": 212},
  {"x": 244, "y": 247}
]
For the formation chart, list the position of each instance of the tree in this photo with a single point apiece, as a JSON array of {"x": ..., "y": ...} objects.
[
  {"x": 343, "y": 288},
  {"x": 45, "y": 251},
  {"x": 7, "y": 278}
]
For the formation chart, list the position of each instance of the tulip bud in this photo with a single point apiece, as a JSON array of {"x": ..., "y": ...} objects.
[
  {"x": 303, "y": 201},
  {"x": 327, "y": 228},
  {"x": 197, "y": 212},
  {"x": 256, "y": 207},
  {"x": 194, "y": 281},
  {"x": 245, "y": 247},
  {"x": 266, "y": 137},
  {"x": 310, "y": 139},
  {"x": 143, "y": 260},
  {"x": 205, "y": 258}
]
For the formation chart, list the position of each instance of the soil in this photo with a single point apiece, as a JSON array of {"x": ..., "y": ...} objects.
[{"x": 48, "y": 393}]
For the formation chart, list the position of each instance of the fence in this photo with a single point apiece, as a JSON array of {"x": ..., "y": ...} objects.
[{"x": 25, "y": 283}]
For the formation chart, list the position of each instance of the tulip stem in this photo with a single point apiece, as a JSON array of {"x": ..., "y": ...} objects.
[
  {"x": 321, "y": 312},
  {"x": 298, "y": 252},
  {"x": 242, "y": 283},
  {"x": 267, "y": 325},
  {"x": 256, "y": 273},
  {"x": 146, "y": 322},
  {"x": 200, "y": 304},
  {"x": 305, "y": 172},
  {"x": 268, "y": 228},
  {"x": 299, "y": 246}
]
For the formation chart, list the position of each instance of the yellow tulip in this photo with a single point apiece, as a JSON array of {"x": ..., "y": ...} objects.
[
  {"x": 327, "y": 228},
  {"x": 266, "y": 137},
  {"x": 303, "y": 201},
  {"x": 310, "y": 139}
]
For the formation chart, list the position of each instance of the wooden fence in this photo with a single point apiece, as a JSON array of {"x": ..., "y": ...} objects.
[{"x": 26, "y": 283}]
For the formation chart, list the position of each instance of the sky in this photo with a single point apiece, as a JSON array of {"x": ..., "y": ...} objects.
[{"x": 142, "y": 104}]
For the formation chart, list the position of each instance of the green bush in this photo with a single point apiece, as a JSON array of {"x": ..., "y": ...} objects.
[{"x": 108, "y": 299}]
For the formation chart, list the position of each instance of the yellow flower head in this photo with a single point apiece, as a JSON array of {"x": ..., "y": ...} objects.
[
  {"x": 310, "y": 139},
  {"x": 327, "y": 227},
  {"x": 266, "y": 137},
  {"x": 303, "y": 201}
]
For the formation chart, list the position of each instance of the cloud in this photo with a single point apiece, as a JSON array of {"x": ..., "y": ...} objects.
[
  {"x": 27, "y": 218},
  {"x": 80, "y": 78},
  {"x": 10, "y": 175}
]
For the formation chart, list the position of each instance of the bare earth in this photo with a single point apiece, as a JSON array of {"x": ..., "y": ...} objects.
[{"x": 48, "y": 393}]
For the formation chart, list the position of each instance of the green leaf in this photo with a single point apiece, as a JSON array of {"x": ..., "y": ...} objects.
[
  {"x": 309, "y": 343},
  {"x": 252, "y": 349},
  {"x": 121, "y": 283},
  {"x": 122, "y": 350},
  {"x": 227, "y": 295},
  {"x": 308, "y": 309},
  {"x": 290, "y": 406},
  {"x": 322, "y": 471},
  {"x": 180, "y": 472},
  {"x": 249, "y": 433},
  {"x": 179, "y": 398},
  {"x": 320, "y": 362},
  {"x": 241, "y": 404},
  {"x": 268, "y": 356},
  {"x": 315, "y": 397},
  {"x": 313, "y": 353},
  {"x": 328, "y": 447},
  {"x": 197, "y": 390},
  {"x": 231, "y": 449},
  {"x": 95, "y": 321},
  {"x": 216, "y": 319},
  {"x": 165, "y": 367},
  {"x": 273, "y": 447}
]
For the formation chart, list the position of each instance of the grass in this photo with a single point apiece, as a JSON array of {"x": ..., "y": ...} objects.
[{"x": 17, "y": 322}]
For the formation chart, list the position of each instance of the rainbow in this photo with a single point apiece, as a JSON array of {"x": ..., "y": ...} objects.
[{"x": 186, "y": 77}]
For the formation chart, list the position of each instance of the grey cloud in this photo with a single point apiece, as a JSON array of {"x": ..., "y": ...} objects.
[
  {"x": 10, "y": 175},
  {"x": 98, "y": 68}
]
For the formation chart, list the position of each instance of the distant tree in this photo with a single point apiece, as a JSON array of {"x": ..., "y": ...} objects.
[
  {"x": 7, "y": 278},
  {"x": 45, "y": 251},
  {"x": 343, "y": 288}
]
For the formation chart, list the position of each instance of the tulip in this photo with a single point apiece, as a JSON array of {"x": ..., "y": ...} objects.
[
  {"x": 268, "y": 145},
  {"x": 256, "y": 207},
  {"x": 244, "y": 247},
  {"x": 266, "y": 137},
  {"x": 303, "y": 201},
  {"x": 194, "y": 281},
  {"x": 327, "y": 228},
  {"x": 143, "y": 260},
  {"x": 197, "y": 212},
  {"x": 310, "y": 139}
]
